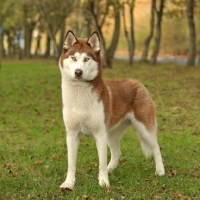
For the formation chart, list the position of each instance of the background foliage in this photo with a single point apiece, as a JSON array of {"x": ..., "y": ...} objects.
[{"x": 44, "y": 23}]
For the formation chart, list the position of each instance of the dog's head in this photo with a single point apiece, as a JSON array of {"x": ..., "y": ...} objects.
[{"x": 80, "y": 59}]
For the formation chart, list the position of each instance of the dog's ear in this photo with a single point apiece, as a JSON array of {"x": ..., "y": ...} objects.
[
  {"x": 70, "y": 40},
  {"x": 94, "y": 41}
]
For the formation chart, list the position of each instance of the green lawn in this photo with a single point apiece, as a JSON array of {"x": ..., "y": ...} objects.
[{"x": 33, "y": 154}]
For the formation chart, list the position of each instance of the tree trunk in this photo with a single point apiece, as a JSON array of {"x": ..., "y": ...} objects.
[
  {"x": 159, "y": 15},
  {"x": 48, "y": 47},
  {"x": 62, "y": 35},
  {"x": 192, "y": 35},
  {"x": 37, "y": 49},
  {"x": 3, "y": 51},
  {"x": 105, "y": 61},
  {"x": 130, "y": 39},
  {"x": 10, "y": 44},
  {"x": 125, "y": 29},
  {"x": 113, "y": 45},
  {"x": 148, "y": 39},
  {"x": 28, "y": 30},
  {"x": 107, "y": 54},
  {"x": 50, "y": 30}
]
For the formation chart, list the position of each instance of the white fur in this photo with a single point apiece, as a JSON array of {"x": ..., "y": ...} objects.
[{"x": 89, "y": 68}]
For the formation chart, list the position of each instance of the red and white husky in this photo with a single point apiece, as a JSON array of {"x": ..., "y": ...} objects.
[{"x": 101, "y": 108}]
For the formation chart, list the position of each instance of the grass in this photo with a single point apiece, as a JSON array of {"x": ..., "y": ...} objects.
[{"x": 33, "y": 158}]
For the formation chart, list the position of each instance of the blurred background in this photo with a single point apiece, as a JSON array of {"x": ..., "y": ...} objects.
[{"x": 135, "y": 30}]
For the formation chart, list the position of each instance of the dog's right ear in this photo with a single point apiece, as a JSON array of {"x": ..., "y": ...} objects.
[{"x": 70, "y": 40}]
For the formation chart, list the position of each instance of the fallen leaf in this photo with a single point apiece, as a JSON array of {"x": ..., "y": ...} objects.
[
  {"x": 176, "y": 195},
  {"x": 157, "y": 197},
  {"x": 184, "y": 198},
  {"x": 121, "y": 161},
  {"x": 83, "y": 143},
  {"x": 108, "y": 191},
  {"x": 58, "y": 157},
  {"x": 172, "y": 172},
  {"x": 65, "y": 190},
  {"x": 7, "y": 166},
  {"x": 38, "y": 162},
  {"x": 195, "y": 175},
  {"x": 88, "y": 197}
]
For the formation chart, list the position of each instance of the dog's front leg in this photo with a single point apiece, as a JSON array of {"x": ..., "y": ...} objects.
[
  {"x": 72, "y": 147},
  {"x": 101, "y": 142}
]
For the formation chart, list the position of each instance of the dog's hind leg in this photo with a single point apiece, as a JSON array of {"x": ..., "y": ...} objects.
[
  {"x": 149, "y": 143},
  {"x": 113, "y": 139}
]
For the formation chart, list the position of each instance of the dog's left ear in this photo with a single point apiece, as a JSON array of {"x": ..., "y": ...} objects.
[{"x": 94, "y": 41}]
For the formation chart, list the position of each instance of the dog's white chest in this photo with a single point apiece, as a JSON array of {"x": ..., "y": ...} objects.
[{"x": 82, "y": 111}]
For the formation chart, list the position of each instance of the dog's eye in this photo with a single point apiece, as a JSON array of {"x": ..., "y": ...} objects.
[
  {"x": 86, "y": 59},
  {"x": 73, "y": 58}
]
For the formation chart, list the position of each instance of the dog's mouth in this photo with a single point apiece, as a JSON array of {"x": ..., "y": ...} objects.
[{"x": 78, "y": 77}]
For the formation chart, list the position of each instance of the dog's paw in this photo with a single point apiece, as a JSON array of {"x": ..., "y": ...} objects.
[
  {"x": 111, "y": 167},
  {"x": 103, "y": 181},
  {"x": 68, "y": 184},
  {"x": 160, "y": 172}
]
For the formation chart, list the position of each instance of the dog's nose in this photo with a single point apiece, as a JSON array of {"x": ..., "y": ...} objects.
[{"x": 78, "y": 73}]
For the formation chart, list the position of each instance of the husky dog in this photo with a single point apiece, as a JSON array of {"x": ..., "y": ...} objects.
[{"x": 101, "y": 108}]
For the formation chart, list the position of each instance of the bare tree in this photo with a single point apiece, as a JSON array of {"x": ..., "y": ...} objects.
[
  {"x": 31, "y": 17},
  {"x": 159, "y": 15},
  {"x": 151, "y": 33},
  {"x": 54, "y": 13},
  {"x": 99, "y": 10},
  {"x": 192, "y": 34},
  {"x": 130, "y": 36},
  {"x": 115, "y": 37}
]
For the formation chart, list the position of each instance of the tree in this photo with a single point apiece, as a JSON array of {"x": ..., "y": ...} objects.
[
  {"x": 31, "y": 17},
  {"x": 115, "y": 36},
  {"x": 192, "y": 34},
  {"x": 151, "y": 33},
  {"x": 99, "y": 10},
  {"x": 159, "y": 15},
  {"x": 130, "y": 38},
  {"x": 10, "y": 18},
  {"x": 54, "y": 14}
]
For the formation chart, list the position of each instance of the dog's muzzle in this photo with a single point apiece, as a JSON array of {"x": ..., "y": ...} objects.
[{"x": 78, "y": 73}]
